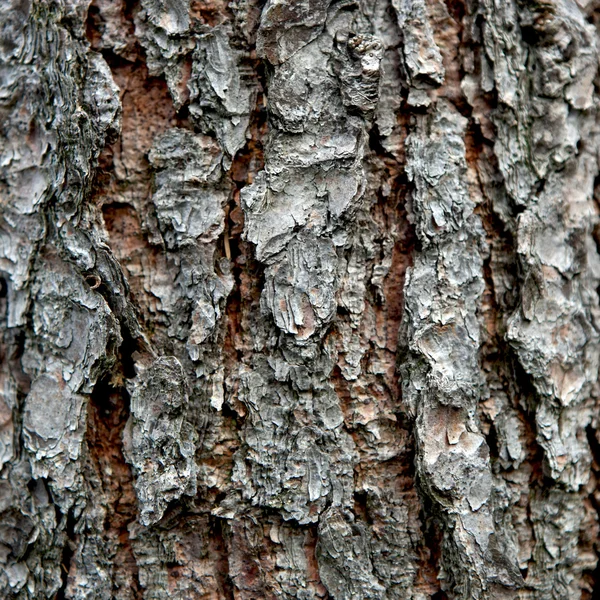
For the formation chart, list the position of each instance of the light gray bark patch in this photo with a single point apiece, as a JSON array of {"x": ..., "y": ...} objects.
[
  {"x": 159, "y": 442},
  {"x": 535, "y": 134},
  {"x": 298, "y": 212},
  {"x": 163, "y": 29},
  {"x": 317, "y": 198},
  {"x": 422, "y": 57},
  {"x": 59, "y": 105},
  {"x": 299, "y": 458},
  {"x": 554, "y": 332},
  {"x": 75, "y": 335},
  {"x": 441, "y": 380},
  {"x": 190, "y": 196},
  {"x": 221, "y": 99},
  {"x": 322, "y": 93},
  {"x": 188, "y": 205},
  {"x": 285, "y": 28},
  {"x": 300, "y": 291},
  {"x": 101, "y": 96},
  {"x": 384, "y": 27},
  {"x": 545, "y": 159},
  {"x": 201, "y": 69},
  {"x": 29, "y": 171},
  {"x": 449, "y": 266},
  {"x": 51, "y": 410},
  {"x": 546, "y": 145},
  {"x": 314, "y": 180}
]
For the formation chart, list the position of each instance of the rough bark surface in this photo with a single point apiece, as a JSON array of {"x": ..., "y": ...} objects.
[{"x": 299, "y": 299}]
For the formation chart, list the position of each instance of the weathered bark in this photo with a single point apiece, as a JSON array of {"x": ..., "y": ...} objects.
[{"x": 299, "y": 299}]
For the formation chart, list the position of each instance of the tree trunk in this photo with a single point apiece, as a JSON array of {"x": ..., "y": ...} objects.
[{"x": 299, "y": 299}]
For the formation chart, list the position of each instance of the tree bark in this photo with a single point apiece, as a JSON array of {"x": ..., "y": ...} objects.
[{"x": 299, "y": 299}]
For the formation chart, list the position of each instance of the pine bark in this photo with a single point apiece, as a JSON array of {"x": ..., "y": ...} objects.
[{"x": 299, "y": 300}]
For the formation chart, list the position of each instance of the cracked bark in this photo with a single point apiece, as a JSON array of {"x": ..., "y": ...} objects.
[{"x": 299, "y": 300}]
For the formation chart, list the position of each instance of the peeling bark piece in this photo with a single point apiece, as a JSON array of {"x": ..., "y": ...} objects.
[
  {"x": 159, "y": 442},
  {"x": 359, "y": 72},
  {"x": 190, "y": 197},
  {"x": 189, "y": 205},
  {"x": 286, "y": 28},
  {"x": 421, "y": 55},
  {"x": 163, "y": 28},
  {"x": 300, "y": 293},
  {"x": 101, "y": 96},
  {"x": 312, "y": 176},
  {"x": 51, "y": 410},
  {"x": 77, "y": 331},
  {"x": 220, "y": 98}
]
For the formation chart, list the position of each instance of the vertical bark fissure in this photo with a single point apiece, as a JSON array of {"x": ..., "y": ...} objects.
[
  {"x": 67, "y": 555},
  {"x": 108, "y": 414}
]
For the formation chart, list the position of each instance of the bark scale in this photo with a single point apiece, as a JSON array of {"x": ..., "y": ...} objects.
[{"x": 299, "y": 300}]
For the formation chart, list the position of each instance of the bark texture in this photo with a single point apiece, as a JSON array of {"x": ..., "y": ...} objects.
[{"x": 299, "y": 299}]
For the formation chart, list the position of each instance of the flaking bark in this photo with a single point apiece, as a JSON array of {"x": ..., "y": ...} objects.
[{"x": 299, "y": 299}]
